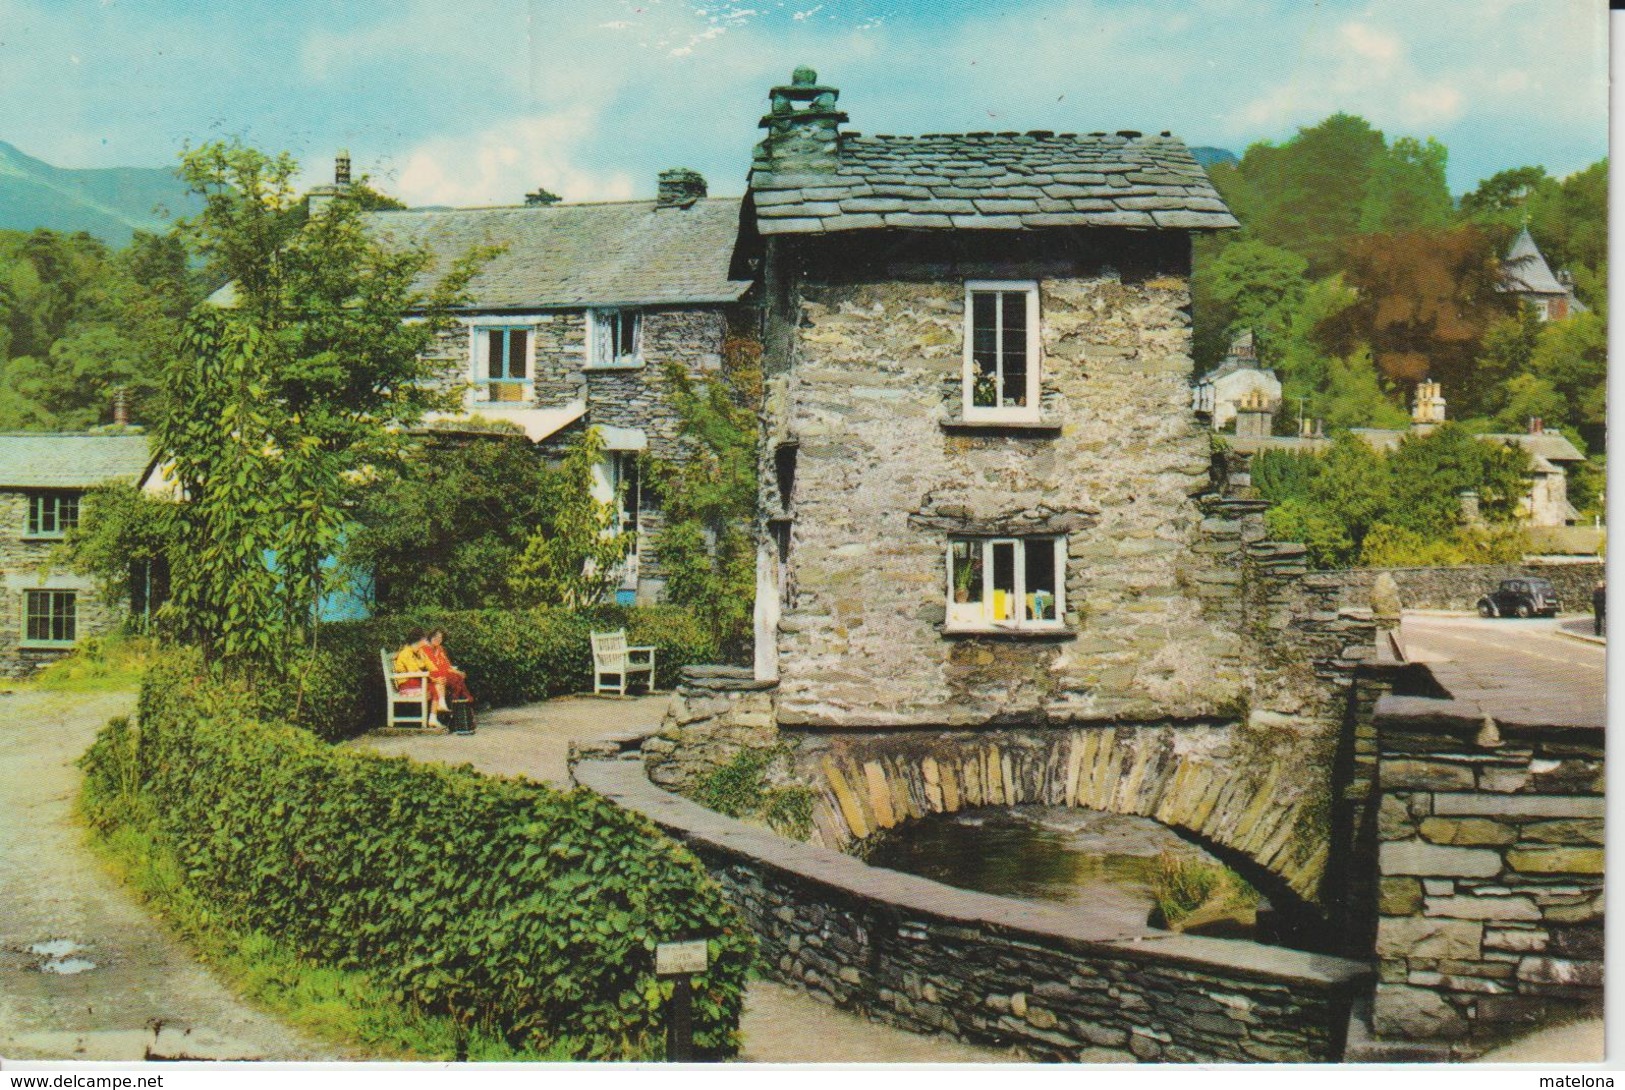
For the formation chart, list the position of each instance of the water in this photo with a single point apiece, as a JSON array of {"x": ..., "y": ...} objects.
[{"x": 1040, "y": 853}]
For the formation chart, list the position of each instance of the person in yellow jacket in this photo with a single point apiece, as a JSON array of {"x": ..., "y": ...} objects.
[{"x": 414, "y": 658}]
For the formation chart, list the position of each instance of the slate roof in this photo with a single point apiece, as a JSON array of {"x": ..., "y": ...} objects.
[
  {"x": 1550, "y": 446},
  {"x": 995, "y": 180},
  {"x": 1524, "y": 269},
  {"x": 70, "y": 461},
  {"x": 627, "y": 253}
]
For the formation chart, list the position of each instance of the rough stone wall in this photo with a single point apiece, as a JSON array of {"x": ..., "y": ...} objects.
[
  {"x": 1055, "y": 983},
  {"x": 639, "y": 398},
  {"x": 881, "y": 485},
  {"x": 1491, "y": 887},
  {"x": 27, "y": 565},
  {"x": 716, "y": 712},
  {"x": 1461, "y": 587},
  {"x": 560, "y": 352}
]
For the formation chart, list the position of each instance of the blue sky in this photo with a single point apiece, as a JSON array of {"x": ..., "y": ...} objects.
[{"x": 475, "y": 103}]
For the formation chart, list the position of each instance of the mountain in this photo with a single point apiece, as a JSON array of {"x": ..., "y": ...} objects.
[
  {"x": 110, "y": 203},
  {"x": 1209, "y": 156}
]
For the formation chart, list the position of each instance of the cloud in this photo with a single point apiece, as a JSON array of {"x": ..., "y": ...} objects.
[{"x": 500, "y": 164}]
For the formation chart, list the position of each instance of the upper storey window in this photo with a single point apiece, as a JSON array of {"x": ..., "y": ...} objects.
[
  {"x": 52, "y": 514},
  {"x": 502, "y": 362},
  {"x": 1001, "y": 350},
  {"x": 616, "y": 339}
]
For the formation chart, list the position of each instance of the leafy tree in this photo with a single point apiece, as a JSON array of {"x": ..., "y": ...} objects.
[
  {"x": 282, "y": 403},
  {"x": 444, "y": 526},
  {"x": 572, "y": 559},
  {"x": 123, "y": 542},
  {"x": 1406, "y": 190},
  {"x": 1355, "y": 395},
  {"x": 1326, "y": 539},
  {"x": 1429, "y": 473},
  {"x": 1572, "y": 356},
  {"x": 709, "y": 495},
  {"x": 1259, "y": 287}
]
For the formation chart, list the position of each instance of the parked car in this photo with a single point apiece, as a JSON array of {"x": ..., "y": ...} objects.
[{"x": 1520, "y": 598}]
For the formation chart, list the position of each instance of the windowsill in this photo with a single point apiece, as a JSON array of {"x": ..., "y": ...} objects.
[
  {"x": 46, "y": 645},
  {"x": 996, "y": 632},
  {"x": 45, "y": 537},
  {"x": 1041, "y": 426},
  {"x": 619, "y": 365}
]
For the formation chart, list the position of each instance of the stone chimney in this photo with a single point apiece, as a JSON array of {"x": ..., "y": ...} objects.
[
  {"x": 803, "y": 128},
  {"x": 679, "y": 188},
  {"x": 1428, "y": 411},
  {"x": 1253, "y": 415},
  {"x": 1537, "y": 426},
  {"x": 121, "y": 407},
  {"x": 321, "y": 196}
]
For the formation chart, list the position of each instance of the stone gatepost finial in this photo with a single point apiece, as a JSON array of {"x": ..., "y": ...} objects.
[{"x": 1386, "y": 606}]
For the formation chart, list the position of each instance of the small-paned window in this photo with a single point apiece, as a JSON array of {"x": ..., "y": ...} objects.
[
  {"x": 1006, "y": 582},
  {"x": 625, "y": 486},
  {"x": 52, "y": 616},
  {"x": 617, "y": 336},
  {"x": 52, "y": 514},
  {"x": 1001, "y": 350},
  {"x": 502, "y": 368}
]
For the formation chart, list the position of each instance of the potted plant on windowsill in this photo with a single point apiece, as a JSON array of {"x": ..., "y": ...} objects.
[{"x": 963, "y": 577}]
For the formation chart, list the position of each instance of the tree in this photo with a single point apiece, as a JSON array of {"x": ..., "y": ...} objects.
[
  {"x": 709, "y": 495},
  {"x": 282, "y": 403},
  {"x": 1572, "y": 356},
  {"x": 572, "y": 558},
  {"x": 123, "y": 542},
  {"x": 445, "y": 526},
  {"x": 1259, "y": 287},
  {"x": 1406, "y": 190}
]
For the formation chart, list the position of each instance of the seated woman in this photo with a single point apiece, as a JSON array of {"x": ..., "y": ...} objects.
[
  {"x": 453, "y": 682},
  {"x": 413, "y": 658}
]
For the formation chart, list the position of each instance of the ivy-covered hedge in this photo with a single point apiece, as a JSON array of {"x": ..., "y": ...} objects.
[
  {"x": 511, "y": 656},
  {"x": 511, "y": 907}
]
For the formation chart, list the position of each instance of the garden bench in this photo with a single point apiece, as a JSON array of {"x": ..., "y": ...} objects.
[
  {"x": 394, "y": 698},
  {"x": 612, "y": 658}
]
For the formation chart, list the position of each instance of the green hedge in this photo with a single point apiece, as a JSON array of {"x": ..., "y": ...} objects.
[
  {"x": 511, "y": 656},
  {"x": 511, "y": 907}
]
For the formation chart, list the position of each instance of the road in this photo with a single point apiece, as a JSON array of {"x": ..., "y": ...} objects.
[
  {"x": 1515, "y": 670},
  {"x": 85, "y": 973}
]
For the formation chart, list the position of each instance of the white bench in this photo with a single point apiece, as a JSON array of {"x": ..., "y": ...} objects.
[
  {"x": 612, "y": 658},
  {"x": 394, "y": 698}
]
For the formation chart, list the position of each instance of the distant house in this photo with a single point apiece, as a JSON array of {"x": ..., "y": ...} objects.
[
  {"x": 1524, "y": 272},
  {"x": 572, "y": 325},
  {"x": 1237, "y": 376},
  {"x": 44, "y": 607}
]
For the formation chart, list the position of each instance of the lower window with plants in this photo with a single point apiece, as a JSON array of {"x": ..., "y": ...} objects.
[{"x": 1006, "y": 584}]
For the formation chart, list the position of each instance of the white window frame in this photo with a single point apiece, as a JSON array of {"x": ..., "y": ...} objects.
[
  {"x": 1029, "y": 412},
  {"x": 597, "y": 359},
  {"x": 479, "y": 362},
  {"x": 978, "y": 616}
]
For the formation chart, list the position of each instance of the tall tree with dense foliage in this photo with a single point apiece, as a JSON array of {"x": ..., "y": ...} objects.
[
  {"x": 573, "y": 558},
  {"x": 281, "y": 403},
  {"x": 1406, "y": 190}
]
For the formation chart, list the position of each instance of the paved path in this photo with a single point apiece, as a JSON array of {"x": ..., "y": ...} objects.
[
  {"x": 55, "y": 891},
  {"x": 780, "y": 1025},
  {"x": 1525, "y": 670}
]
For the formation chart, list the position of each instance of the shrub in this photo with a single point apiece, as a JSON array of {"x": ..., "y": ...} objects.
[
  {"x": 741, "y": 789},
  {"x": 517, "y": 910},
  {"x": 511, "y": 657}
]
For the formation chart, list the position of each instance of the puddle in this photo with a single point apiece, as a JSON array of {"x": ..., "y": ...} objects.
[
  {"x": 55, "y": 948},
  {"x": 67, "y": 966}
]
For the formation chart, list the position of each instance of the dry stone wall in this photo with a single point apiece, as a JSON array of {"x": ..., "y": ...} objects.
[
  {"x": 1460, "y": 588},
  {"x": 1491, "y": 874},
  {"x": 1058, "y": 984}
]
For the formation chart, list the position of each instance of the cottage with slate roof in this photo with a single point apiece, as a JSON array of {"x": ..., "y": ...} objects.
[
  {"x": 45, "y": 608},
  {"x": 1236, "y": 379},
  {"x": 573, "y": 323},
  {"x": 979, "y": 457}
]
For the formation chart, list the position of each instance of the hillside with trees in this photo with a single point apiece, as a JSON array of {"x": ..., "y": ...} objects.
[{"x": 1360, "y": 275}]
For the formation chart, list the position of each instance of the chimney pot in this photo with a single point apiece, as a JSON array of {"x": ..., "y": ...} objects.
[
  {"x": 121, "y": 407},
  {"x": 679, "y": 188},
  {"x": 341, "y": 167}
]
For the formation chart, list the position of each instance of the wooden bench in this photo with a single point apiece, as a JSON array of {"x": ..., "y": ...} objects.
[
  {"x": 394, "y": 698},
  {"x": 612, "y": 658}
]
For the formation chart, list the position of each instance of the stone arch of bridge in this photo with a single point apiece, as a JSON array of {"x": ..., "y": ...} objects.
[{"x": 1256, "y": 817}]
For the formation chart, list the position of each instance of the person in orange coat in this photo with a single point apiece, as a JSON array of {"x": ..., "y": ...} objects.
[
  {"x": 452, "y": 681},
  {"x": 414, "y": 658}
]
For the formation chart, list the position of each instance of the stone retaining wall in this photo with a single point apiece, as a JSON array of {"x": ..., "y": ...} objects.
[
  {"x": 1059, "y": 984},
  {"x": 1491, "y": 865},
  {"x": 1460, "y": 588}
]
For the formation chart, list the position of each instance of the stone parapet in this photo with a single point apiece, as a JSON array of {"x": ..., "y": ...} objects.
[
  {"x": 716, "y": 712},
  {"x": 1459, "y": 588},
  {"x": 1490, "y": 873},
  {"x": 1059, "y": 984}
]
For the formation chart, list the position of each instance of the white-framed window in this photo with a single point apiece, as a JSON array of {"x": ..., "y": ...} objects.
[
  {"x": 1006, "y": 583},
  {"x": 503, "y": 357},
  {"x": 52, "y": 617},
  {"x": 617, "y": 339},
  {"x": 52, "y": 514},
  {"x": 1001, "y": 350}
]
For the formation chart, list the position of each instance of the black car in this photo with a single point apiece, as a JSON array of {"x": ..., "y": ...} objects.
[{"x": 1520, "y": 598}]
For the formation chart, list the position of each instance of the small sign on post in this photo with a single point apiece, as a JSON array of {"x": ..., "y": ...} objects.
[{"x": 681, "y": 960}]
